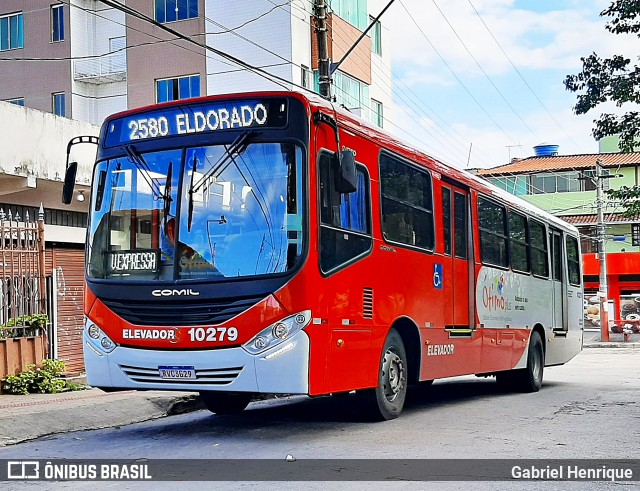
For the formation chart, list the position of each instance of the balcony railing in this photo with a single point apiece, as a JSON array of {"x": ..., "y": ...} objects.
[{"x": 101, "y": 69}]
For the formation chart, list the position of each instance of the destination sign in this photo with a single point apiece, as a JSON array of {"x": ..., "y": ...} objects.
[
  {"x": 132, "y": 262},
  {"x": 197, "y": 118}
]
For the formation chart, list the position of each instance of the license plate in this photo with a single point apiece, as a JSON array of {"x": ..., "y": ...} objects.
[{"x": 177, "y": 373}]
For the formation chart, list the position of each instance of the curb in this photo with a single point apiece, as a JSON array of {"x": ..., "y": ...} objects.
[
  {"x": 112, "y": 410},
  {"x": 612, "y": 344}
]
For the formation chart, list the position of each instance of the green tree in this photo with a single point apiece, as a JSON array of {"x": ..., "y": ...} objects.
[{"x": 615, "y": 80}]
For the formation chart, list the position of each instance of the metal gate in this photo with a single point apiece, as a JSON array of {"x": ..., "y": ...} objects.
[
  {"x": 23, "y": 327},
  {"x": 22, "y": 275}
]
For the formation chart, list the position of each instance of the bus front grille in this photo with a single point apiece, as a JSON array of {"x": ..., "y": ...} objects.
[
  {"x": 182, "y": 313},
  {"x": 210, "y": 376}
]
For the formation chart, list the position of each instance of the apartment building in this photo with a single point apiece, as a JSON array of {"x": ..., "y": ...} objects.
[{"x": 84, "y": 60}]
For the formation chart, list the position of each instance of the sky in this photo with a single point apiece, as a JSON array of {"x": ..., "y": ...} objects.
[{"x": 480, "y": 82}]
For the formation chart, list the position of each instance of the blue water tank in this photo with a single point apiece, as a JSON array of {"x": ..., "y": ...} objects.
[{"x": 546, "y": 150}]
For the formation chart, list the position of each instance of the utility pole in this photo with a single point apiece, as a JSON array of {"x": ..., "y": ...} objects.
[
  {"x": 324, "y": 62},
  {"x": 603, "y": 291}
]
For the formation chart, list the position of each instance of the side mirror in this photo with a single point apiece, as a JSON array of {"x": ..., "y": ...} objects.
[
  {"x": 346, "y": 176},
  {"x": 69, "y": 182}
]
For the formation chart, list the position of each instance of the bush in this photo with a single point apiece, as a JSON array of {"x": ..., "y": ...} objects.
[
  {"x": 25, "y": 325},
  {"x": 39, "y": 380}
]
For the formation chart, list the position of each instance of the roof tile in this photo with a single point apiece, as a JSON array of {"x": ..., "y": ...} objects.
[{"x": 562, "y": 162}]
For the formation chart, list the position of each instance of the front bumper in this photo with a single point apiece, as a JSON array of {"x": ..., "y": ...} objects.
[{"x": 282, "y": 369}]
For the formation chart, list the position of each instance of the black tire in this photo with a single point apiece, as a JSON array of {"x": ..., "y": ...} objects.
[
  {"x": 526, "y": 379},
  {"x": 226, "y": 402},
  {"x": 387, "y": 400}
]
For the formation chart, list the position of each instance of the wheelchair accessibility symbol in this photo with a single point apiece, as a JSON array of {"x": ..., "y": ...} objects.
[{"x": 437, "y": 276}]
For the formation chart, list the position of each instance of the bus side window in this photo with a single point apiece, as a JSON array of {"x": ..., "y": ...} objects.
[
  {"x": 345, "y": 223},
  {"x": 446, "y": 220},
  {"x": 573, "y": 261},
  {"x": 539, "y": 248},
  {"x": 493, "y": 233},
  {"x": 460, "y": 220},
  {"x": 407, "y": 203},
  {"x": 519, "y": 242}
]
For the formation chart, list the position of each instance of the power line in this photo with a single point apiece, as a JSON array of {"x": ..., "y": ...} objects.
[
  {"x": 520, "y": 75},
  {"x": 482, "y": 69},
  {"x": 453, "y": 73}
]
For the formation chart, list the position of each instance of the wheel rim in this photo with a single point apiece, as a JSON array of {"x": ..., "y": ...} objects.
[
  {"x": 536, "y": 369},
  {"x": 394, "y": 377}
]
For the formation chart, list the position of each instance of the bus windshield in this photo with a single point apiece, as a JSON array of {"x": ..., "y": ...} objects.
[{"x": 209, "y": 213}]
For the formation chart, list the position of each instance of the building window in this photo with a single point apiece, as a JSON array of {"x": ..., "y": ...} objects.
[
  {"x": 11, "y": 32},
  {"x": 353, "y": 11},
  {"x": 351, "y": 93},
  {"x": 172, "y": 89},
  {"x": 377, "y": 112},
  {"x": 305, "y": 77},
  {"x": 588, "y": 180},
  {"x": 565, "y": 182},
  {"x": 173, "y": 10},
  {"x": 19, "y": 101},
  {"x": 57, "y": 23},
  {"x": 376, "y": 37},
  {"x": 59, "y": 104}
]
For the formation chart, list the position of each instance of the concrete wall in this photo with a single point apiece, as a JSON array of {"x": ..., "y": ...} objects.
[{"x": 35, "y": 143}]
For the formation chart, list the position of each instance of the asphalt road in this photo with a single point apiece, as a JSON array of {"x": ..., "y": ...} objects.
[{"x": 586, "y": 409}]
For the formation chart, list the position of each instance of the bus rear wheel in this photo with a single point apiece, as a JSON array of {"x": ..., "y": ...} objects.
[
  {"x": 526, "y": 379},
  {"x": 226, "y": 402},
  {"x": 387, "y": 400}
]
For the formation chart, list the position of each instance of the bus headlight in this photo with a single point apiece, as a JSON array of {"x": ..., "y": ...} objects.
[
  {"x": 277, "y": 333},
  {"x": 99, "y": 339}
]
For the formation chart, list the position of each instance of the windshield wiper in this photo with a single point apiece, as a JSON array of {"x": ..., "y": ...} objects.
[
  {"x": 193, "y": 173},
  {"x": 237, "y": 148},
  {"x": 167, "y": 195}
]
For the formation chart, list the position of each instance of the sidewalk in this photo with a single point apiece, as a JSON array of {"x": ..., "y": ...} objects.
[
  {"x": 25, "y": 418},
  {"x": 33, "y": 416}
]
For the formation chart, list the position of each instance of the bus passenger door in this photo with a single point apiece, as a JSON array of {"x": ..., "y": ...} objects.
[
  {"x": 462, "y": 267},
  {"x": 557, "y": 281},
  {"x": 455, "y": 211}
]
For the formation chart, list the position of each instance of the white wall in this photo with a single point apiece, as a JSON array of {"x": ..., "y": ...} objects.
[
  {"x": 301, "y": 12},
  {"x": 92, "y": 25},
  {"x": 268, "y": 41},
  {"x": 35, "y": 143},
  {"x": 381, "y": 81}
]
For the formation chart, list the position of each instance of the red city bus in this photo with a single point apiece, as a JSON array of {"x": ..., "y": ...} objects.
[{"x": 273, "y": 243}]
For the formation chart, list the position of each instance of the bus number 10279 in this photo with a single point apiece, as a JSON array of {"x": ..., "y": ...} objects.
[{"x": 212, "y": 334}]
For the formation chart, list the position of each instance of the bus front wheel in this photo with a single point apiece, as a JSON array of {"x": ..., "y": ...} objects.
[
  {"x": 387, "y": 400},
  {"x": 225, "y": 402}
]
